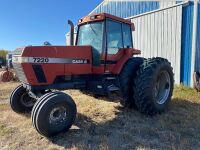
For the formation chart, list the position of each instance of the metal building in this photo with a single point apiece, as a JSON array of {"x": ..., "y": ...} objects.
[{"x": 169, "y": 29}]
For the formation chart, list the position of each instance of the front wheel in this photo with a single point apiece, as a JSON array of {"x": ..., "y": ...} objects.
[
  {"x": 154, "y": 85},
  {"x": 53, "y": 113},
  {"x": 20, "y": 101}
]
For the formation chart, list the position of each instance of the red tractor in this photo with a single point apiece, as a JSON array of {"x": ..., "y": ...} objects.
[{"x": 100, "y": 63}]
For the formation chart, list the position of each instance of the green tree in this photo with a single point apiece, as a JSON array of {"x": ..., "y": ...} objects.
[{"x": 3, "y": 54}]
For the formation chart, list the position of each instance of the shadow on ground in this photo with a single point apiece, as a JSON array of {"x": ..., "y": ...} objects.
[{"x": 177, "y": 128}]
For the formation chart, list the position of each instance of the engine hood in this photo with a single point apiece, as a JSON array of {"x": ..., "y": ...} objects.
[
  {"x": 52, "y": 54},
  {"x": 45, "y": 65}
]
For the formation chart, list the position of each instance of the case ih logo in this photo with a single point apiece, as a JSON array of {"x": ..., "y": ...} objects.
[{"x": 80, "y": 61}]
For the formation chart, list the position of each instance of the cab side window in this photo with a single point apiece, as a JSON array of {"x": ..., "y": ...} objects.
[
  {"x": 127, "y": 36},
  {"x": 114, "y": 36}
]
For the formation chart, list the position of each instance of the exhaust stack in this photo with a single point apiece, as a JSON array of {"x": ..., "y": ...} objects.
[{"x": 71, "y": 32}]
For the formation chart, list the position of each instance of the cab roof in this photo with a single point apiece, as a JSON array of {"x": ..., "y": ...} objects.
[{"x": 101, "y": 17}]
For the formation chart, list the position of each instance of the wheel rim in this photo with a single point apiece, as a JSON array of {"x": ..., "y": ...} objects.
[
  {"x": 162, "y": 87},
  {"x": 57, "y": 115},
  {"x": 26, "y": 100}
]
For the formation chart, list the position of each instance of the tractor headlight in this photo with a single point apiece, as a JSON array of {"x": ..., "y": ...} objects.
[
  {"x": 19, "y": 59},
  {"x": 24, "y": 59}
]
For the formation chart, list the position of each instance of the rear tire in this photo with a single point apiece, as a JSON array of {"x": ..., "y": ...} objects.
[
  {"x": 20, "y": 101},
  {"x": 126, "y": 81},
  {"x": 196, "y": 79},
  {"x": 154, "y": 86},
  {"x": 53, "y": 113}
]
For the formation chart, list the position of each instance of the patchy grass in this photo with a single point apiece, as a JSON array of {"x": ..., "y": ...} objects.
[
  {"x": 5, "y": 90},
  {"x": 190, "y": 94},
  {"x": 4, "y": 130},
  {"x": 4, "y": 107},
  {"x": 105, "y": 125}
]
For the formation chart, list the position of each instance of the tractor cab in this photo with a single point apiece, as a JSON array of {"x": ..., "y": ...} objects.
[{"x": 109, "y": 36}]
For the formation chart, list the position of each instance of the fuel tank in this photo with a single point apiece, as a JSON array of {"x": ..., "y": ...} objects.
[{"x": 43, "y": 65}]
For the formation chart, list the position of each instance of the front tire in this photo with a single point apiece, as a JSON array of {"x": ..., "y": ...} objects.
[
  {"x": 20, "y": 101},
  {"x": 53, "y": 113},
  {"x": 154, "y": 86}
]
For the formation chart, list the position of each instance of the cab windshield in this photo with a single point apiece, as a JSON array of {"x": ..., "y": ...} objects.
[{"x": 91, "y": 34}]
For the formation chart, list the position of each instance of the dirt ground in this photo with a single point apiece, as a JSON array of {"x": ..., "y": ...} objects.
[{"x": 105, "y": 125}]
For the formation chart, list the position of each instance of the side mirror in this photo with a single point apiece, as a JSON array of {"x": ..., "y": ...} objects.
[{"x": 132, "y": 27}]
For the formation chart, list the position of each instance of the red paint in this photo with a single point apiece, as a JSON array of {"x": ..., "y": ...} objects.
[
  {"x": 98, "y": 69},
  {"x": 58, "y": 51},
  {"x": 101, "y": 17},
  {"x": 121, "y": 57},
  {"x": 53, "y": 70},
  {"x": 128, "y": 53}
]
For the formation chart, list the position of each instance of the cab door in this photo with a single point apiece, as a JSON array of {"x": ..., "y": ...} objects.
[{"x": 118, "y": 38}]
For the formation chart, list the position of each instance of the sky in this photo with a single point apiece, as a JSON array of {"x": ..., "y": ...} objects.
[{"x": 32, "y": 22}]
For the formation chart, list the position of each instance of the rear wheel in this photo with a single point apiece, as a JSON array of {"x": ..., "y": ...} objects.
[
  {"x": 154, "y": 86},
  {"x": 196, "y": 78},
  {"x": 126, "y": 81},
  {"x": 53, "y": 113},
  {"x": 20, "y": 101}
]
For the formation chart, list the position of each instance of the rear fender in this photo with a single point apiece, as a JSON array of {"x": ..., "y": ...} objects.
[{"x": 128, "y": 53}]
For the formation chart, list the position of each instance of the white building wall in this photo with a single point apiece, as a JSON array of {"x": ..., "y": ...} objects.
[
  {"x": 67, "y": 36},
  {"x": 159, "y": 34},
  {"x": 166, "y": 3}
]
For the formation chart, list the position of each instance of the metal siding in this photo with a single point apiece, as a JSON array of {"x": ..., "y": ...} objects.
[
  {"x": 161, "y": 32},
  {"x": 159, "y": 35},
  {"x": 186, "y": 49},
  {"x": 197, "y": 60},
  {"x": 164, "y": 4},
  {"x": 123, "y": 9},
  {"x": 178, "y": 2},
  {"x": 126, "y": 9}
]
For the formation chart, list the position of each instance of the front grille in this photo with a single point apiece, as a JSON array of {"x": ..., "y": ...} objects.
[{"x": 20, "y": 73}]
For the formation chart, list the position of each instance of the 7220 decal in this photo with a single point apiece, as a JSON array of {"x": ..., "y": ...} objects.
[{"x": 40, "y": 60}]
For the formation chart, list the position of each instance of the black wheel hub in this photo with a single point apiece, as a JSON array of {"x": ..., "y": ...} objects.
[
  {"x": 26, "y": 100},
  {"x": 57, "y": 115}
]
